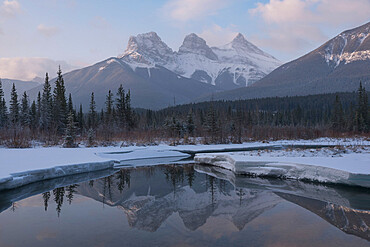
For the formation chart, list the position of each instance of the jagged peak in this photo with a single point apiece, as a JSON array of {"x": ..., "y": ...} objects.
[
  {"x": 147, "y": 48},
  {"x": 195, "y": 44},
  {"x": 147, "y": 40},
  {"x": 239, "y": 38}
]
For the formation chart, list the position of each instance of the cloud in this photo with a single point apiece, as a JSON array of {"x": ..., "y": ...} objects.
[
  {"x": 296, "y": 24},
  {"x": 290, "y": 39},
  {"x": 47, "y": 31},
  {"x": 187, "y": 10},
  {"x": 10, "y": 9},
  {"x": 217, "y": 35},
  {"x": 313, "y": 11},
  {"x": 30, "y": 67}
]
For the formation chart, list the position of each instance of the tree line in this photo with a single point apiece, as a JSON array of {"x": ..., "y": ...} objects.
[
  {"x": 264, "y": 118},
  {"x": 53, "y": 119}
]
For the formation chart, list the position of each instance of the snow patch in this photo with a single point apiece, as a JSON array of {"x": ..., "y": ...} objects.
[{"x": 341, "y": 170}]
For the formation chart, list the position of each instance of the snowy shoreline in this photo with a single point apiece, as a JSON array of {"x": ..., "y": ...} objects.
[
  {"x": 349, "y": 168},
  {"x": 20, "y": 167}
]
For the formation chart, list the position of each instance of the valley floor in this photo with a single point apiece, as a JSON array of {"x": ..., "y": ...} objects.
[{"x": 23, "y": 166}]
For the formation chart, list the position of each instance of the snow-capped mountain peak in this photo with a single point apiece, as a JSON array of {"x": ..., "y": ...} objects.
[
  {"x": 148, "y": 49},
  {"x": 237, "y": 64},
  {"x": 194, "y": 44},
  {"x": 243, "y": 46}
]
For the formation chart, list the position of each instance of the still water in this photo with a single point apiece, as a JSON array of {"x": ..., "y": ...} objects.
[{"x": 182, "y": 205}]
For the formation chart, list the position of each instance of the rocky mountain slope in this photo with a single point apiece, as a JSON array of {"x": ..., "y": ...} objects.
[
  {"x": 234, "y": 65},
  {"x": 337, "y": 66},
  {"x": 152, "y": 87}
]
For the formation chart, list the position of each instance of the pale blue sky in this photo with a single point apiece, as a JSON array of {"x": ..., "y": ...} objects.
[{"x": 83, "y": 32}]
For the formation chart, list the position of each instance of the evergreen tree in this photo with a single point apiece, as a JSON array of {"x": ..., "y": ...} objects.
[
  {"x": 46, "y": 105},
  {"x": 59, "y": 103},
  {"x": 3, "y": 113},
  {"x": 70, "y": 132},
  {"x": 361, "y": 118},
  {"x": 109, "y": 107},
  {"x": 70, "y": 104},
  {"x": 121, "y": 106},
  {"x": 38, "y": 109},
  {"x": 190, "y": 126},
  {"x": 129, "y": 116},
  {"x": 92, "y": 120},
  {"x": 33, "y": 116},
  {"x": 14, "y": 107},
  {"x": 3, "y": 110},
  {"x": 25, "y": 111},
  {"x": 80, "y": 118}
]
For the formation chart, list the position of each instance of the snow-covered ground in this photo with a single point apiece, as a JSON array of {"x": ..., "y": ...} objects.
[
  {"x": 344, "y": 164},
  {"x": 23, "y": 166}
]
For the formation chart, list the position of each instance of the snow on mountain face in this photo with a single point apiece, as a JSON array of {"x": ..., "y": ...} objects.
[
  {"x": 147, "y": 50},
  {"x": 348, "y": 47},
  {"x": 237, "y": 64},
  {"x": 196, "y": 45}
]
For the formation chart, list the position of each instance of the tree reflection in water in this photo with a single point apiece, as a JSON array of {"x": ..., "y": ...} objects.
[{"x": 149, "y": 195}]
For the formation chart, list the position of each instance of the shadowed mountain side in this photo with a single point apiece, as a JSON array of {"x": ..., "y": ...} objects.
[
  {"x": 21, "y": 86},
  {"x": 151, "y": 88}
]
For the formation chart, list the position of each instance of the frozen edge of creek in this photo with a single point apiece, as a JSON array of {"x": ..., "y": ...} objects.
[
  {"x": 19, "y": 167},
  {"x": 244, "y": 165}
]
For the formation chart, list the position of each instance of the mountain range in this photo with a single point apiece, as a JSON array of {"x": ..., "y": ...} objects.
[
  {"x": 336, "y": 66},
  {"x": 159, "y": 77}
]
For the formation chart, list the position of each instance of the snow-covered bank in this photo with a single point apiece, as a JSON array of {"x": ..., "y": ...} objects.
[
  {"x": 23, "y": 166},
  {"x": 19, "y": 167},
  {"x": 350, "y": 168}
]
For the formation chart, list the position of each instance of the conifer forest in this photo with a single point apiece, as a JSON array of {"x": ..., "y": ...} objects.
[{"x": 53, "y": 119}]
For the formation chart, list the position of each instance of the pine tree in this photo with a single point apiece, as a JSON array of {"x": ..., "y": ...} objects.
[
  {"x": 59, "y": 103},
  {"x": 121, "y": 106},
  {"x": 14, "y": 107},
  {"x": 92, "y": 120},
  {"x": 129, "y": 116},
  {"x": 190, "y": 126},
  {"x": 70, "y": 132},
  {"x": 109, "y": 107},
  {"x": 109, "y": 116},
  {"x": 25, "y": 111},
  {"x": 3, "y": 110},
  {"x": 38, "y": 109},
  {"x": 70, "y": 104},
  {"x": 361, "y": 118},
  {"x": 80, "y": 118},
  {"x": 4, "y": 113},
  {"x": 46, "y": 105},
  {"x": 33, "y": 116}
]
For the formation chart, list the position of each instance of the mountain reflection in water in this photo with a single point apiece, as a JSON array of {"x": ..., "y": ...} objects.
[{"x": 148, "y": 196}]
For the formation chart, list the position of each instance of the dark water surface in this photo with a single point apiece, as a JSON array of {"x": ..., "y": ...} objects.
[{"x": 182, "y": 205}]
